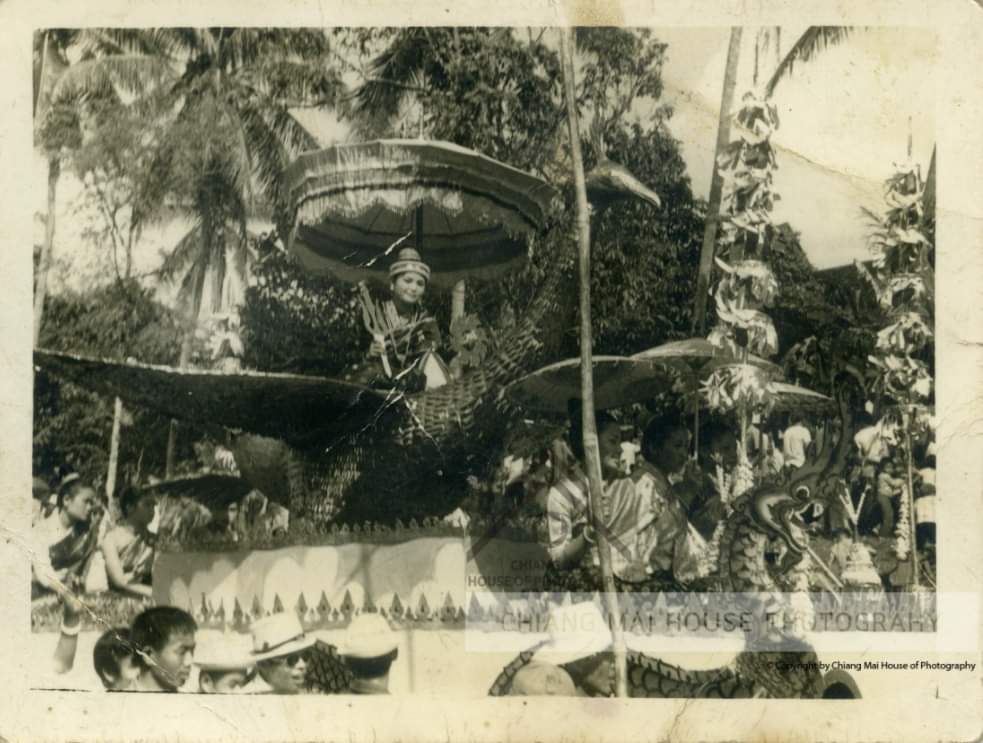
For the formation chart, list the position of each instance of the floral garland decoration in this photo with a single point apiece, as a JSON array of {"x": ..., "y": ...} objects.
[
  {"x": 903, "y": 280},
  {"x": 747, "y": 286}
]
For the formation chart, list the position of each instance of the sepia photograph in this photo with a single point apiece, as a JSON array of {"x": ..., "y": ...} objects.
[{"x": 457, "y": 363}]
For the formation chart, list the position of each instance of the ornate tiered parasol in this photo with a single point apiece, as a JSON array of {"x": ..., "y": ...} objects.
[{"x": 468, "y": 215}]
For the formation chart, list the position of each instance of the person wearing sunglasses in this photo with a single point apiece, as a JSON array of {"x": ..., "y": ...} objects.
[{"x": 279, "y": 651}]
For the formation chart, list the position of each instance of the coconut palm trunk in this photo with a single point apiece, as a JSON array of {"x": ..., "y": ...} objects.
[
  {"x": 41, "y": 282},
  {"x": 196, "y": 284},
  {"x": 716, "y": 182},
  {"x": 591, "y": 450}
]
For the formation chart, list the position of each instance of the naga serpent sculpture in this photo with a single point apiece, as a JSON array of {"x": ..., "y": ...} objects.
[
  {"x": 337, "y": 452},
  {"x": 775, "y": 662}
]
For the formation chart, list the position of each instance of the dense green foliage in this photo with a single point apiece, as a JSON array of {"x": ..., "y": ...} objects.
[
  {"x": 293, "y": 321},
  {"x": 72, "y": 426}
]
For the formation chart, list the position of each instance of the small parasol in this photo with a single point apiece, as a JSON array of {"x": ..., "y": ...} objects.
[
  {"x": 694, "y": 358},
  {"x": 618, "y": 381},
  {"x": 789, "y": 397},
  {"x": 468, "y": 215}
]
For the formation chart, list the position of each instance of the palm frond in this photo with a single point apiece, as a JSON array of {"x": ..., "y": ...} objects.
[
  {"x": 276, "y": 137},
  {"x": 394, "y": 72},
  {"x": 814, "y": 40},
  {"x": 178, "y": 260},
  {"x": 248, "y": 46},
  {"x": 134, "y": 74},
  {"x": 294, "y": 83},
  {"x": 168, "y": 43}
]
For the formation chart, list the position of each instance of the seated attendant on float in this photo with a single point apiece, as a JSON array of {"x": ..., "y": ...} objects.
[
  {"x": 65, "y": 540},
  {"x": 574, "y": 559},
  {"x": 673, "y": 546},
  {"x": 405, "y": 335},
  {"x": 128, "y": 548}
]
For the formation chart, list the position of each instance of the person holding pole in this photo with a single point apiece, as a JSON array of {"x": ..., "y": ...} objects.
[{"x": 404, "y": 334}]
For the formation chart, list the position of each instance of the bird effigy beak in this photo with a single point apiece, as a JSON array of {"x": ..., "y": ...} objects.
[
  {"x": 609, "y": 182},
  {"x": 638, "y": 189}
]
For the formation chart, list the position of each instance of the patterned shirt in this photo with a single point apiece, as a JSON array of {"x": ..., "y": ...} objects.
[
  {"x": 669, "y": 543},
  {"x": 624, "y": 512}
]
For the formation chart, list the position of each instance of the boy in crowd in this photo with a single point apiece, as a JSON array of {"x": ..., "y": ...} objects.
[
  {"x": 224, "y": 675},
  {"x": 164, "y": 640},
  {"x": 796, "y": 442},
  {"x": 114, "y": 658}
]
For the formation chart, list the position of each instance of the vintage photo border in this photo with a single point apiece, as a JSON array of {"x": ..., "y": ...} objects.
[{"x": 951, "y": 708}]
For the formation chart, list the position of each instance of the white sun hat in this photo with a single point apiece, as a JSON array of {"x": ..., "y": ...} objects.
[
  {"x": 223, "y": 654},
  {"x": 369, "y": 636},
  {"x": 278, "y": 635},
  {"x": 576, "y": 631}
]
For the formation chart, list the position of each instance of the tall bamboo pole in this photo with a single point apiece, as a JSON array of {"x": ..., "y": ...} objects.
[
  {"x": 457, "y": 300},
  {"x": 113, "y": 468},
  {"x": 592, "y": 453},
  {"x": 910, "y": 497}
]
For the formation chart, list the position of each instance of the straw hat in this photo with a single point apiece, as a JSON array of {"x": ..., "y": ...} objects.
[
  {"x": 409, "y": 260},
  {"x": 278, "y": 635},
  {"x": 369, "y": 636},
  {"x": 220, "y": 659},
  {"x": 576, "y": 631}
]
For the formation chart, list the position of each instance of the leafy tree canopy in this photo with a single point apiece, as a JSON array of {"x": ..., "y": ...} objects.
[{"x": 72, "y": 426}]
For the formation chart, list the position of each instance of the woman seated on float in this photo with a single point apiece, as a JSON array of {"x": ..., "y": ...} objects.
[
  {"x": 128, "y": 548},
  {"x": 625, "y": 515},
  {"x": 65, "y": 539},
  {"x": 405, "y": 336}
]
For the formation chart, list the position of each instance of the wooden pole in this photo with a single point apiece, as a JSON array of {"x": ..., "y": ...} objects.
[
  {"x": 113, "y": 468},
  {"x": 910, "y": 496},
  {"x": 716, "y": 183},
  {"x": 591, "y": 451},
  {"x": 457, "y": 299}
]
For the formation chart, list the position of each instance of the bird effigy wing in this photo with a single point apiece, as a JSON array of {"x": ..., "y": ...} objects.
[{"x": 295, "y": 408}]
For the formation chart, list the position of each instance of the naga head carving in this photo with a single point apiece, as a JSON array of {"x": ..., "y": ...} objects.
[{"x": 777, "y": 509}]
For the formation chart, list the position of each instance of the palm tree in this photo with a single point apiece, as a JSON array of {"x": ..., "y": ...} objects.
[
  {"x": 813, "y": 41},
  {"x": 56, "y": 131},
  {"x": 225, "y": 98},
  {"x": 716, "y": 182}
]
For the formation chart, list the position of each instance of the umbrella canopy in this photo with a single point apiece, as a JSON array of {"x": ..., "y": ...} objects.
[
  {"x": 356, "y": 204},
  {"x": 695, "y": 357},
  {"x": 789, "y": 397},
  {"x": 618, "y": 381}
]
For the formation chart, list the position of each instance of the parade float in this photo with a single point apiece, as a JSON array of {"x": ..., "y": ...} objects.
[{"x": 367, "y": 473}]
